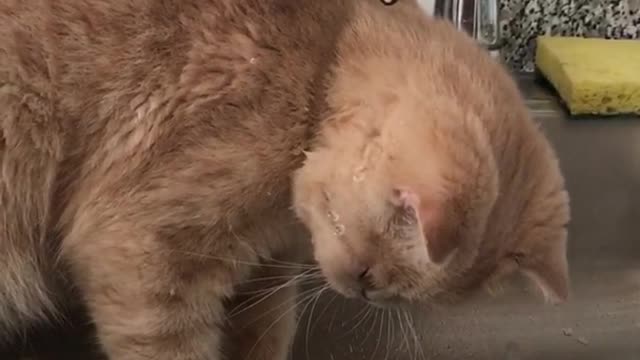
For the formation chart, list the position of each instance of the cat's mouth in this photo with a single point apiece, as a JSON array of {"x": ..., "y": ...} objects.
[
  {"x": 382, "y": 298},
  {"x": 364, "y": 291}
]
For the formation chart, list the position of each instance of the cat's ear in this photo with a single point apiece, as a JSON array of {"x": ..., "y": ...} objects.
[
  {"x": 440, "y": 237},
  {"x": 547, "y": 266}
]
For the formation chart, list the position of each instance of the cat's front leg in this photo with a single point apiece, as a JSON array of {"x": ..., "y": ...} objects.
[
  {"x": 262, "y": 317},
  {"x": 149, "y": 301}
]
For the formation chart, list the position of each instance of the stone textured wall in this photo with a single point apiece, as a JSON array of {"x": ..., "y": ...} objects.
[{"x": 523, "y": 20}]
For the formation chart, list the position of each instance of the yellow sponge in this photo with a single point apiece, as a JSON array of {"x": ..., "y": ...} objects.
[{"x": 593, "y": 76}]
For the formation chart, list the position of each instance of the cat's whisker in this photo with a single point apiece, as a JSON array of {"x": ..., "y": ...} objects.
[
  {"x": 291, "y": 308},
  {"x": 405, "y": 346},
  {"x": 309, "y": 301},
  {"x": 390, "y": 336},
  {"x": 270, "y": 293},
  {"x": 309, "y": 320},
  {"x": 251, "y": 302},
  {"x": 289, "y": 279},
  {"x": 396, "y": 333},
  {"x": 360, "y": 318},
  {"x": 298, "y": 282},
  {"x": 375, "y": 321},
  {"x": 357, "y": 316},
  {"x": 282, "y": 262},
  {"x": 324, "y": 310},
  {"x": 289, "y": 263},
  {"x": 236, "y": 261},
  {"x": 399, "y": 334},
  {"x": 264, "y": 293},
  {"x": 271, "y": 259},
  {"x": 412, "y": 334},
  {"x": 306, "y": 295},
  {"x": 285, "y": 303},
  {"x": 306, "y": 274},
  {"x": 268, "y": 279},
  {"x": 380, "y": 330},
  {"x": 418, "y": 345}
]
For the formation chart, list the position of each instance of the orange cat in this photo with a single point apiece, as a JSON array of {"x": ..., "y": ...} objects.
[{"x": 152, "y": 150}]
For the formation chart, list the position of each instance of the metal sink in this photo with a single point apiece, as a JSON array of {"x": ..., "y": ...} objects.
[{"x": 601, "y": 161}]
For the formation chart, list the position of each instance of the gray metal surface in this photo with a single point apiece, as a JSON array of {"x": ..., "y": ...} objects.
[{"x": 601, "y": 160}]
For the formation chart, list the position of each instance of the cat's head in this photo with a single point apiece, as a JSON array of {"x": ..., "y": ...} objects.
[{"x": 402, "y": 207}]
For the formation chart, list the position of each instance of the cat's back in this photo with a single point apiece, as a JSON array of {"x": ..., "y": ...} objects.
[
  {"x": 89, "y": 88},
  {"x": 89, "y": 50},
  {"x": 90, "y": 85},
  {"x": 105, "y": 73}
]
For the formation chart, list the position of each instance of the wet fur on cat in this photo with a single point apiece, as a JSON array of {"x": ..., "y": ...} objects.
[{"x": 154, "y": 151}]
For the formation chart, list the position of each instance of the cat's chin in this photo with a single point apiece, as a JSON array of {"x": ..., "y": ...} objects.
[
  {"x": 383, "y": 299},
  {"x": 379, "y": 298},
  {"x": 386, "y": 303}
]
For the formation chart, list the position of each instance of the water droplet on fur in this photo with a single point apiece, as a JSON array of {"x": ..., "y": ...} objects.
[
  {"x": 358, "y": 177},
  {"x": 253, "y": 60},
  {"x": 339, "y": 229},
  {"x": 333, "y": 216},
  {"x": 172, "y": 292}
]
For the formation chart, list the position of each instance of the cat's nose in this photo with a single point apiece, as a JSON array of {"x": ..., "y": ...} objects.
[
  {"x": 365, "y": 282},
  {"x": 368, "y": 289}
]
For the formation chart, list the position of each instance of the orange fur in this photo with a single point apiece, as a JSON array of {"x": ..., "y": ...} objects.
[
  {"x": 148, "y": 149},
  {"x": 421, "y": 110}
]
